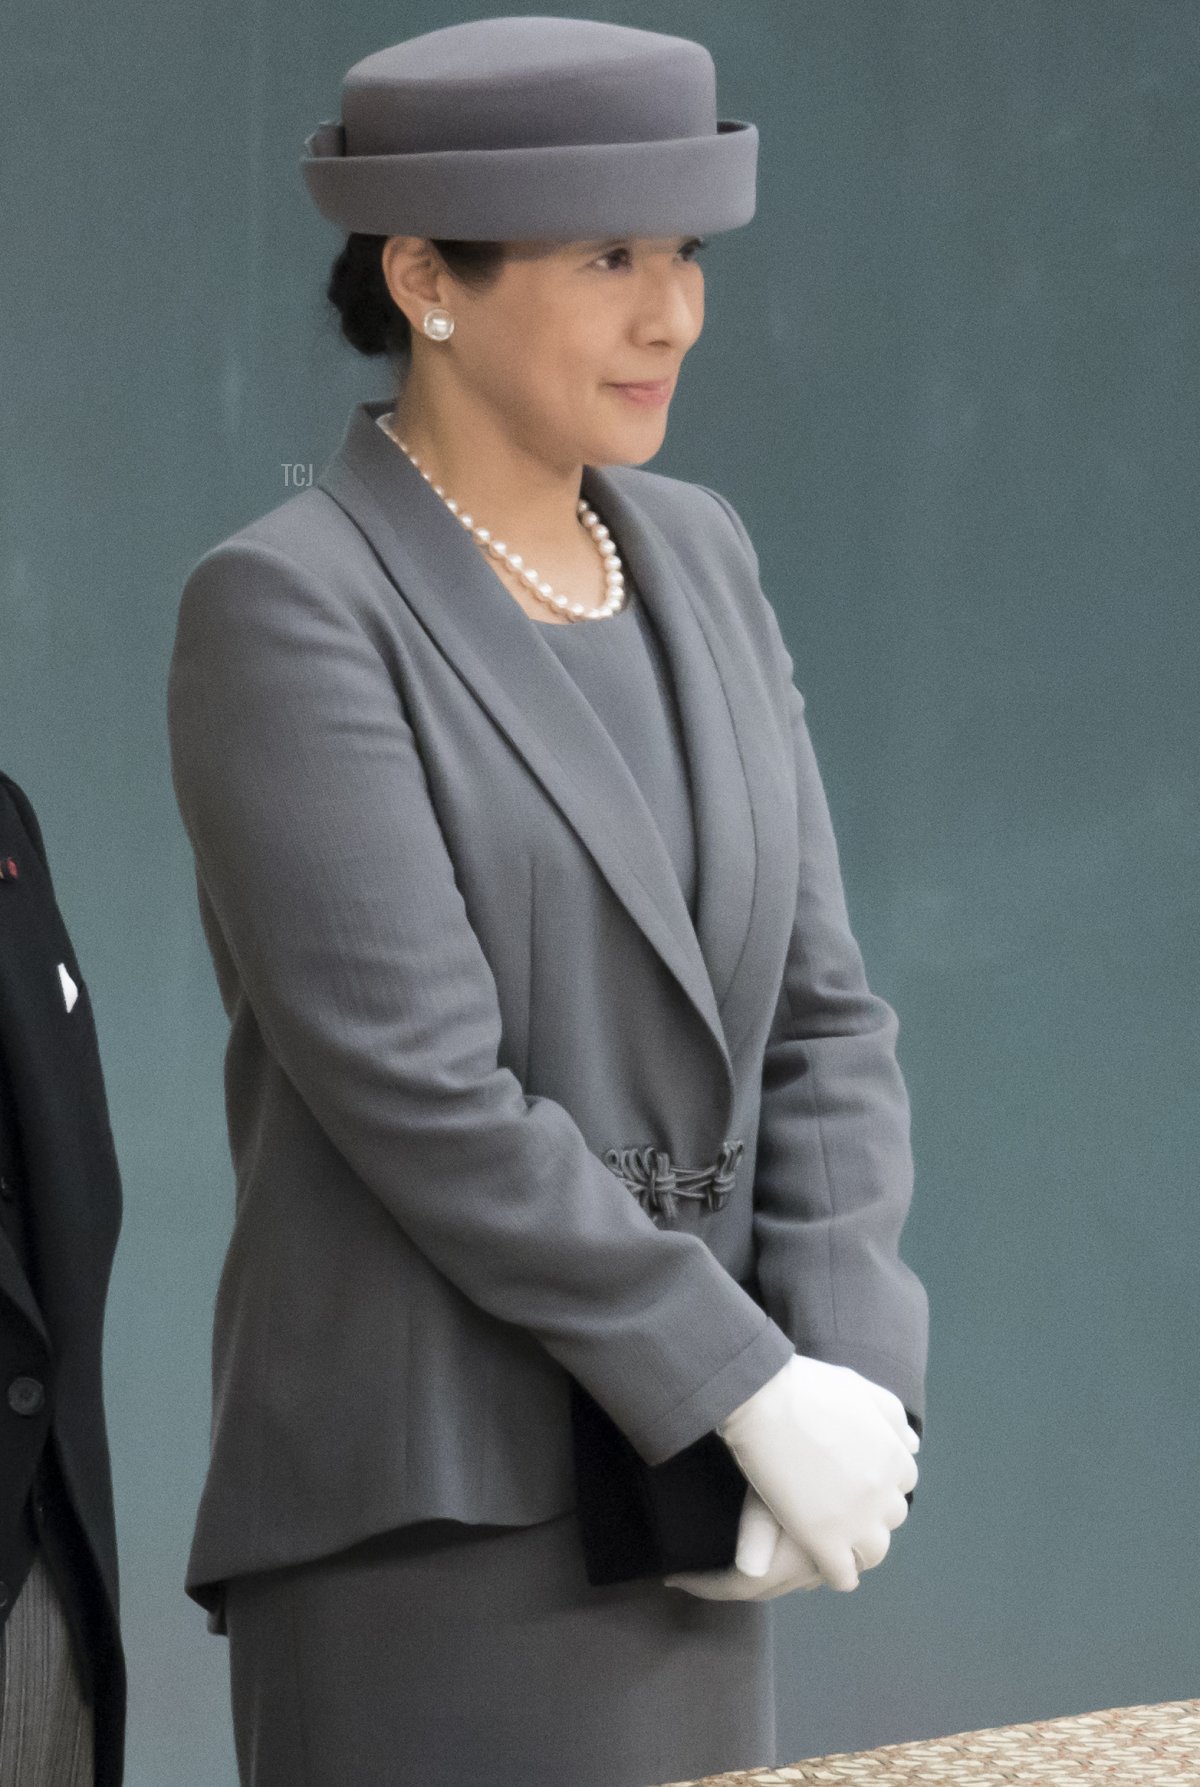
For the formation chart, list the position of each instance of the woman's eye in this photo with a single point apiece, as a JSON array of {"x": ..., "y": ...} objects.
[{"x": 689, "y": 251}]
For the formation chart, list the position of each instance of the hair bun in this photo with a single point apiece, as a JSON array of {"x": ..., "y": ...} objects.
[{"x": 371, "y": 320}]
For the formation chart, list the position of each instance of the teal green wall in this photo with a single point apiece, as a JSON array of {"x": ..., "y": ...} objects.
[{"x": 949, "y": 377}]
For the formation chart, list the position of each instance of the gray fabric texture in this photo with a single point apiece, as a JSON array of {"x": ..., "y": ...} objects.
[
  {"x": 618, "y": 666},
  {"x": 532, "y": 127},
  {"x": 445, "y": 1655},
  {"x": 458, "y": 967}
]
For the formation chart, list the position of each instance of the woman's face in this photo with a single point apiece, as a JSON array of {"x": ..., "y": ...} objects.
[{"x": 563, "y": 326}]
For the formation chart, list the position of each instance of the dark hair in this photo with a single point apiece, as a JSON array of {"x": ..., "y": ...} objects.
[{"x": 372, "y": 321}]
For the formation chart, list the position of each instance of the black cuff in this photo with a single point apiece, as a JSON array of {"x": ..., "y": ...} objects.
[{"x": 916, "y": 1423}]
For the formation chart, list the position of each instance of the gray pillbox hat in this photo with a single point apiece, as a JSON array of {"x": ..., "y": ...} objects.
[{"x": 531, "y": 127}]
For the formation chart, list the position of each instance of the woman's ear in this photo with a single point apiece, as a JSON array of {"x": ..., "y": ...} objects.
[{"x": 414, "y": 275}]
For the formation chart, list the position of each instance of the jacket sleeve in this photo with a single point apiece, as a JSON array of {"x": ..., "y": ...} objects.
[
  {"x": 834, "y": 1174},
  {"x": 301, "y": 787}
]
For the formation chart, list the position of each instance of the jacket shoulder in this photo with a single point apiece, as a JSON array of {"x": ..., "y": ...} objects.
[
  {"x": 669, "y": 499},
  {"x": 310, "y": 534},
  {"x": 706, "y": 529},
  {"x": 17, "y": 798}
]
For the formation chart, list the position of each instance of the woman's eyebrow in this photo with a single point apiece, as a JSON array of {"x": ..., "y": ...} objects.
[{"x": 613, "y": 241}]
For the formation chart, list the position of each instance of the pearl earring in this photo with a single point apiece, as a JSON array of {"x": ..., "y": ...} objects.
[{"x": 438, "y": 324}]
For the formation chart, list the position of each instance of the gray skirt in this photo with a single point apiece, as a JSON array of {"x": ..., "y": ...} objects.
[{"x": 442, "y": 1654}]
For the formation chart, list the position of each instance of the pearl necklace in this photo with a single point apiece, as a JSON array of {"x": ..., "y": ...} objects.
[{"x": 614, "y": 574}]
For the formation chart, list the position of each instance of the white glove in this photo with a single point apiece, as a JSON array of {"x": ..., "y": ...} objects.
[
  {"x": 768, "y": 1563},
  {"x": 831, "y": 1455}
]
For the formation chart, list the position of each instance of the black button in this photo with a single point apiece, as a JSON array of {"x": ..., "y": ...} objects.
[
  {"x": 26, "y": 1395},
  {"x": 7, "y": 1188}
]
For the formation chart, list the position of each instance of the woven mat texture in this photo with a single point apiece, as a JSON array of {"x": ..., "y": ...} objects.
[{"x": 1125, "y": 1746}]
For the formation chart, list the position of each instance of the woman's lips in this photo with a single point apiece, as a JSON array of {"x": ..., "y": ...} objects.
[{"x": 647, "y": 394}]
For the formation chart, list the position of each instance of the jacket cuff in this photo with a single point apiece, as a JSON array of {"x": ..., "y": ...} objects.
[{"x": 701, "y": 1412}]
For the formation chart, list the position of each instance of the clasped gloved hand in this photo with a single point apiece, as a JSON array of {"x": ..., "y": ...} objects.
[{"x": 828, "y": 1456}]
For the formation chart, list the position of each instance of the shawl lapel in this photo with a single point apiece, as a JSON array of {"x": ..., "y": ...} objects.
[{"x": 519, "y": 680}]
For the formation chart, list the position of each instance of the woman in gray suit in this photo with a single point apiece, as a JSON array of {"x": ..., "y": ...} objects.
[{"x": 552, "y": 1060}]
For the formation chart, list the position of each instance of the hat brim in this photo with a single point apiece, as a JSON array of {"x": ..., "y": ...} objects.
[{"x": 568, "y": 192}]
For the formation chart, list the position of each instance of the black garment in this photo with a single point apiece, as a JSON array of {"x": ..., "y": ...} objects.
[
  {"x": 60, "y": 1208},
  {"x": 25, "y": 1367}
]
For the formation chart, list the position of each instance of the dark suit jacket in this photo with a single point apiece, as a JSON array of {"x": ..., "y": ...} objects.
[
  {"x": 466, "y": 998},
  {"x": 60, "y": 1214}
]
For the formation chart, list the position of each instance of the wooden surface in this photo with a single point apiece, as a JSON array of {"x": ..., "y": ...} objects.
[{"x": 1125, "y": 1746}]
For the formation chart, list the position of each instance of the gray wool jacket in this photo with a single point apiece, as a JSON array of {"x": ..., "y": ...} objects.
[{"x": 478, "y": 1050}]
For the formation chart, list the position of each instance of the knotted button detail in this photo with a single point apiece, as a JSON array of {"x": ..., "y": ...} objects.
[{"x": 658, "y": 1183}]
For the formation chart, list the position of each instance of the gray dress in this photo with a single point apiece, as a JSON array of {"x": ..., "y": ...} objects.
[
  {"x": 618, "y": 664},
  {"x": 443, "y": 1653}
]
